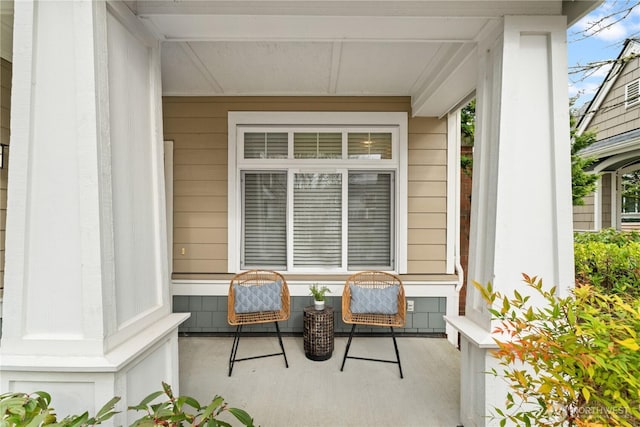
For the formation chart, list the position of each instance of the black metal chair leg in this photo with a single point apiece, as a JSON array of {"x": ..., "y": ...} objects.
[
  {"x": 346, "y": 351},
  {"x": 395, "y": 345},
  {"x": 234, "y": 348},
  {"x": 281, "y": 345}
]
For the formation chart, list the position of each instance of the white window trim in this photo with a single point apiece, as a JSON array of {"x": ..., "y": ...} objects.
[
  {"x": 597, "y": 206},
  {"x": 338, "y": 119},
  {"x": 621, "y": 174}
]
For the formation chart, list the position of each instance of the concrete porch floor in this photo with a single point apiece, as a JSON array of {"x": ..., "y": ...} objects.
[{"x": 317, "y": 394}]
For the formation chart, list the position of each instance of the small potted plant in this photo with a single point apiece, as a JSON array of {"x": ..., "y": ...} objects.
[{"x": 318, "y": 293}]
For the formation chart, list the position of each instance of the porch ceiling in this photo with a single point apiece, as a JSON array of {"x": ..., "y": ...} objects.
[{"x": 424, "y": 49}]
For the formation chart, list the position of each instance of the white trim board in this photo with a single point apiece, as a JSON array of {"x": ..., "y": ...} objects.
[{"x": 341, "y": 119}]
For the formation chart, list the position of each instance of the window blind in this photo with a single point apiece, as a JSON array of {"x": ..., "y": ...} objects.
[
  {"x": 370, "y": 219},
  {"x": 317, "y": 220},
  {"x": 265, "y": 145},
  {"x": 265, "y": 219},
  {"x": 317, "y": 145}
]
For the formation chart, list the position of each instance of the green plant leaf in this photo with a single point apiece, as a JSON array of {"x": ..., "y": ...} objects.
[
  {"x": 192, "y": 402},
  {"x": 35, "y": 422},
  {"x": 150, "y": 398},
  {"x": 107, "y": 411},
  {"x": 629, "y": 343},
  {"x": 242, "y": 416}
]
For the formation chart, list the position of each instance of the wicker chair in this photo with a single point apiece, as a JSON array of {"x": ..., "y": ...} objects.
[
  {"x": 250, "y": 281},
  {"x": 373, "y": 280}
]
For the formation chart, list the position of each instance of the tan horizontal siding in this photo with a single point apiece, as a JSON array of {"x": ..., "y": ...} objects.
[
  {"x": 428, "y": 188},
  {"x": 582, "y": 225},
  {"x": 200, "y": 251},
  {"x": 5, "y": 74},
  {"x": 427, "y": 125},
  {"x": 427, "y": 196},
  {"x": 583, "y": 216},
  {"x": 5, "y": 93},
  {"x": 427, "y": 204},
  {"x": 223, "y": 104},
  {"x": 200, "y": 219},
  {"x": 184, "y": 235},
  {"x": 190, "y": 267},
  {"x": 199, "y": 204},
  {"x": 427, "y": 157},
  {"x": 4, "y": 135},
  {"x": 427, "y": 173},
  {"x": 431, "y": 267},
  {"x": 427, "y": 236},
  {"x": 427, "y": 220},
  {"x": 198, "y": 128},
  {"x": 187, "y": 125},
  {"x": 200, "y": 188},
  {"x": 199, "y": 172},
  {"x": 427, "y": 141},
  {"x": 200, "y": 157},
  {"x": 210, "y": 141},
  {"x": 5, "y": 114},
  {"x": 427, "y": 252}
]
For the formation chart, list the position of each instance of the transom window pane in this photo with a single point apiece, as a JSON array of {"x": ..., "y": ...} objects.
[
  {"x": 369, "y": 146},
  {"x": 317, "y": 145},
  {"x": 317, "y": 217},
  {"x": 370, "y": 219},
  {"x": 265, "y": 219},
  {"x": 265, "y": 145}
]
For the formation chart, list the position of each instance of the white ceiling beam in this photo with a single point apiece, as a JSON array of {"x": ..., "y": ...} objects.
[
  {"x": 314, "y": 28},
  {"x": 454, "y": 81},
  {"x": 336, "y": 59},
  {"x": 438, "y": 8}
]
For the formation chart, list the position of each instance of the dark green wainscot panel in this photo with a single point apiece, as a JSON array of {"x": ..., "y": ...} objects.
[{"x": 209, "y": 316}]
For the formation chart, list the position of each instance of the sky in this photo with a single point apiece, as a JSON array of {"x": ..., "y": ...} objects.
[{"x": 602, "y": 45}]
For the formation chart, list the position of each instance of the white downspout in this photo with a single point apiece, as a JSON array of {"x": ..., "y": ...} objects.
[{"x": 453, "y": 217}]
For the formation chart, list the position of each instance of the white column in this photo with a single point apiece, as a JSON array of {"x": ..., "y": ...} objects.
[
  {"x": 521, "y": 213},
  {"x": 87, "y": 311}
]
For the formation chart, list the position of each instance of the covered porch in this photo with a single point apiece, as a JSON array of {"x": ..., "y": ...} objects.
[
  {"x": 312, "y": 393},
  {"x": 89, "y": 306}
]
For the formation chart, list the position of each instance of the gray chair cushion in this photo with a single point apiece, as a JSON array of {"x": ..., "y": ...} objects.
[
  {"x": 251, "y": 299},
  {"x": 374, "y": 300}
]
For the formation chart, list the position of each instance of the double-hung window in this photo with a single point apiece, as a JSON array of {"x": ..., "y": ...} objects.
[{"x": 317, "y": 198}]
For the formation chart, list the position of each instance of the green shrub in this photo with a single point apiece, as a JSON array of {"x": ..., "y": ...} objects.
[
  {"x": 608, "y": 235},
  {"x": 572, "y": 361},
  {"x": 608, "y": 260},
  {"x": 34, "y": 410}
]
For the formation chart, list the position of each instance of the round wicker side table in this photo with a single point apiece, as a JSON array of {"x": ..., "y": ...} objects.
[{"x": 318, "y": 333}]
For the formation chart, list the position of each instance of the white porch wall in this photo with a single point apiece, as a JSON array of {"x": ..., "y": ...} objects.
[
  {"x": 87, "y": 312},
  {"x": 522, "y": 216}
]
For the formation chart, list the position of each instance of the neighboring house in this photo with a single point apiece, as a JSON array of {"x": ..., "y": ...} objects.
[
  {"x": 614, "y": 115},
  {"x": 160, "y": 147}
]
